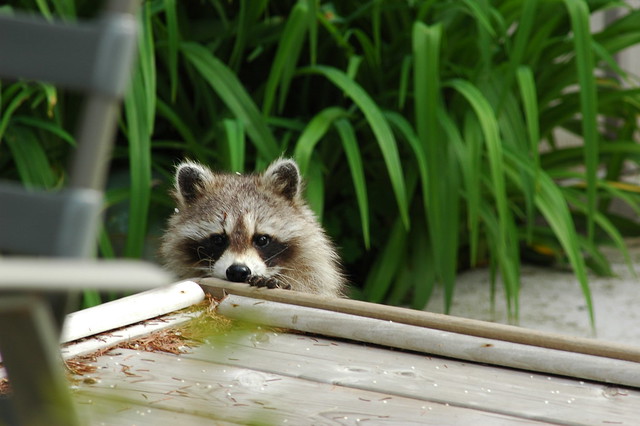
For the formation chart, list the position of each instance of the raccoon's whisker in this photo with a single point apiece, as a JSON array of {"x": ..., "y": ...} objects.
[
  {"x": 201, "y": 261},
  {"x": 208, "y": 265},
  {"x": 202, "y": 255},
  {"x": 276, "y": 254},
  {"x": 285, "y": 278},
  {"x": 209, "y": 260}
]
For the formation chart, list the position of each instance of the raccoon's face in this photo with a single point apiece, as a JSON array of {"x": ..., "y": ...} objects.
[
  {"x": 236, "y": 247},
  {"x": 234, "y": 226}
]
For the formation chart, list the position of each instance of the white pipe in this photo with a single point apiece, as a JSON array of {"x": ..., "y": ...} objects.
[
  {"x": 96, "y": 343},
  {"x": 130, "y": 310},
  {"x": 430, "y": 341},
  {"x": 452, "y": 324}
]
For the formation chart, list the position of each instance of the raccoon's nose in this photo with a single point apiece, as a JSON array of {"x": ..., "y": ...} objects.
[{"x": 238, "y": 272}]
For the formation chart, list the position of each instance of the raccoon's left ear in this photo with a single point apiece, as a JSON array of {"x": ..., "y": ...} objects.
[{"x": 284, "y": 177}]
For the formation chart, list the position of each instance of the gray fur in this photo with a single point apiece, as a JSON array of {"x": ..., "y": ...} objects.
[{"x": 270, "y": 203}]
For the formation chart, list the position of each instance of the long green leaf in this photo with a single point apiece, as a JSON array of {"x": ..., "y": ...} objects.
[
  {"x": 479, "y": 12},
  {"x": 529, "y": 102},
  {"x": 90, "y": 298},
  {"x": 313, "y": 30},
  {"x": 403, "y": 126},
  {"x": 139, "y": 106},
  {"x": 235, "y": 144},
  {"x": 147, "y": 64},
  {"x": 315, "y": 189},
  {"x": 283, "y": 64},
  {"x": 440, "y": 195},
  {"x": 313, "y": 133},
  {"x": 47, "y": 126},
  {"x": 489, "y": 127},
  {"x": 405, "y": 75},
  {"x": 139, "y": 146},
  {"x": 23, "y": 94},
  {"x": 65, "y": 8},
  {"x": 379, "y": 126},
  {"x": 177, "y": 121},
  {"x": 469, "y": 153},
  {"x": 244, "y": 24},
  {"x": 30, "y": 158},
  {"x": 521, "y": 43},
  {"x": 605, "y": 224},
  {"x": 44, "y": 9},
  {"x": 553, "y": 206},
  {"x": 424, "y": 273},
  {"x": 173, "y": 40},
  {"x": 579, "y": 13},
  {"x": 228, "y": 87},
  {"x": 381, "y": 275},
  {"x": 527, "y": 86},
  {"x": 350, "y": 145},
  {"x": 506, "y": 247}
]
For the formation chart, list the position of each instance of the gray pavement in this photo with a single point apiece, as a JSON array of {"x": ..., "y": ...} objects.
[{"x": 552, "y": 300}]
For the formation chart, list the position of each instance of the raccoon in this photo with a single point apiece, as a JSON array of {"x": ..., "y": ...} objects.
[{"x": 253, "y": 228}]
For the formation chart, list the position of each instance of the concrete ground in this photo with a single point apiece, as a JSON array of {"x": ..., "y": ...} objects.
[{"x": 552, "y": 300}]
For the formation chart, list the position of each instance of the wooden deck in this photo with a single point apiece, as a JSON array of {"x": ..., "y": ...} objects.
[
  {"x": 264, "y": 376},
  {"x": 280, "y": 378}
]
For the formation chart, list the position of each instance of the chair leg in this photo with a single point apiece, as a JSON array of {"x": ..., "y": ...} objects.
[{"x": 31, "y": 356}]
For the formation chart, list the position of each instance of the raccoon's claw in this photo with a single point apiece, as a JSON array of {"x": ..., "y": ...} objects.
[{"x": 260, "y": 281}]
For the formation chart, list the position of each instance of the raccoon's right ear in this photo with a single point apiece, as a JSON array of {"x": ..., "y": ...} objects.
[{"x": 191, "y": 179}]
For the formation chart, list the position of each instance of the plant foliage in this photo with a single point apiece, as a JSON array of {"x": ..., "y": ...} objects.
[{"x": 426, "y": 130}]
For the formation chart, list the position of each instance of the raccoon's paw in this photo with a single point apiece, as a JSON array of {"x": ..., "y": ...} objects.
[{"x": 260, "y": 281}]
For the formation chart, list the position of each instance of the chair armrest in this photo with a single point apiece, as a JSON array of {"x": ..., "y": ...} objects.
[{"x": 42, "y": 274}]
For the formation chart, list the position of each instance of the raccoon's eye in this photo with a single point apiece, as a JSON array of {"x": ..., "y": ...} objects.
[
  {"x": 218, "y": 240},
  {"x": 261, "y": 240}
]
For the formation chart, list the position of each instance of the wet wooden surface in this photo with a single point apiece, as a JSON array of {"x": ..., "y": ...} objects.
[{"x": 280, "y": 378}]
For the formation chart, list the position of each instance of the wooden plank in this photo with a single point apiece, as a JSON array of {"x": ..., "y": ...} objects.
[
  {"x": 101, "y": 406},
  {"x": 435, "y": 321},
  {"x": 430, "y": 379},
  {"x": 165, "y": 382},
  {"x": 426, "y": 340}
]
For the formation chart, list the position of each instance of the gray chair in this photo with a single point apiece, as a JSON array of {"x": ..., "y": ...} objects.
[{"x": 58, "y": 231}]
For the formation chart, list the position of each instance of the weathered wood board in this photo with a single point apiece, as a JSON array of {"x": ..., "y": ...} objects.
[
  {"x": 261, "y": 376},
  {"x": 300, "y": 379},
  {"x": 153, "y": 386},
  {"x": 439, "y": 380}
]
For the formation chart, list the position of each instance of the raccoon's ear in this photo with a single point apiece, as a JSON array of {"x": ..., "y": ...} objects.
[
  {"x": 284, "y": 177},
  {"x": 191, "y": 179}
]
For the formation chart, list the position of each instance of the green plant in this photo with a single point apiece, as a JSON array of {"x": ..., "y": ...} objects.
[{"x": 434, "y": 112}]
